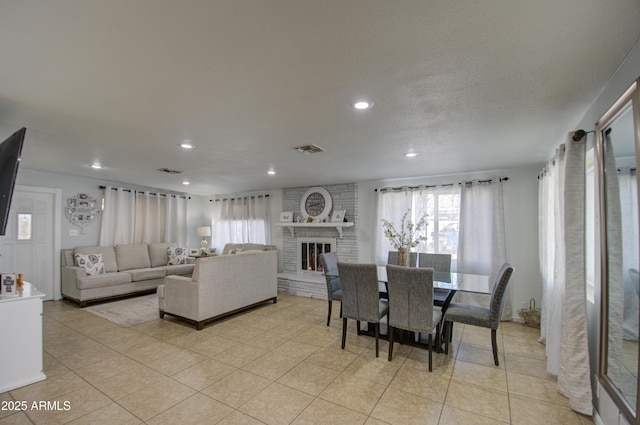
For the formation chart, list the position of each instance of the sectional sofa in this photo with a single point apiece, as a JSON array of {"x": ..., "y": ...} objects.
[{"x": 96, "y": 273}]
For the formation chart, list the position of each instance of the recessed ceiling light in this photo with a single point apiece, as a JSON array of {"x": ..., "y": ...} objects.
[
  {"x": 96, "y": 165},
  {"x": 362, "y": 105},
  {"x": 410, "y": 154},
  {"x": 186, "y": 182},
  {"x": 271, "y": 172},
  {"x": 187, "y": 144}
]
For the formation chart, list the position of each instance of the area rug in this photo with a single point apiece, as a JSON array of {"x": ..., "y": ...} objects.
[{"x": 128, "y": 312}]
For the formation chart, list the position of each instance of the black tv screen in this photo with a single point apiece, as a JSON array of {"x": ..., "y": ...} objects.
[{"x": 10, "y": 151}]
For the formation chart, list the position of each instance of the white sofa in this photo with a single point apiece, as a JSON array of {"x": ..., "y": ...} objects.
[
  {"x": 221, "y": 286},
  {"x": 128, "y": 269}
]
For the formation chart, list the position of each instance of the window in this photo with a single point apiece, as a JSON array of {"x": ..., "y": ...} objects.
[{"x": 25, "y": 227}]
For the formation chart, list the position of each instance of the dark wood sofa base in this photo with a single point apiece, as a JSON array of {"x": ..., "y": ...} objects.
[
  {"x": 84, "y": 303},
  {"x": 199, "y": 325}
]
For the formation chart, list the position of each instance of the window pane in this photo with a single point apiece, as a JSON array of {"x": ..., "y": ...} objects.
[{"x": 24, "y": 227}]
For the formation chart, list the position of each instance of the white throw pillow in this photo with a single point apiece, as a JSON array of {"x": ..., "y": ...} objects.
[
  {"x": 235, "y": 251},
  {"x": 177, "y": 255},
  {"x": 92, "y": 263}
]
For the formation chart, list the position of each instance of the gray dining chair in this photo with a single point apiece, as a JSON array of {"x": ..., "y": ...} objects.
[
  {"x": 411, "y": 304},
  {"x": 475, "y": 315},
  {"x": 360, "y": 299},
  {"x": 329, "y": 263},
  {"x": 392, "y": 258},
  {"x": 439, "y": 263}
]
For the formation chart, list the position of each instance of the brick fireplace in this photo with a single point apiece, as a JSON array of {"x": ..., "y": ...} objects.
[{"x": 300, "y": 274}]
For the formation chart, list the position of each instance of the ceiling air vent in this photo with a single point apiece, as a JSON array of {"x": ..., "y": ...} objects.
[
  {"x": 170, "y": 171},
  {"x": 309, "y": 149}
]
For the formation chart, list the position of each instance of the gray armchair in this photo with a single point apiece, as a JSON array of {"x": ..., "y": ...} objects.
[
  {"x": 411, "y": 304},
  {"x": 439, "y": 263},
  {"x": 475, "y": 315},
  {"x": 360, "y": 297},
  {"x": 329, "y": 263}
]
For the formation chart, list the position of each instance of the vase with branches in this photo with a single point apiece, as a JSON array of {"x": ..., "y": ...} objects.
[{"x": 408, "y": 236}]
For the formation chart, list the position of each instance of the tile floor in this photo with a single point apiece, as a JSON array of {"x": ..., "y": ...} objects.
[{"x": 281, "y": 364}]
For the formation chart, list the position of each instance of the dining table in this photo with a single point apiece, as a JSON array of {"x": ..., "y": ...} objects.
[{"x": 451, "y": 281}]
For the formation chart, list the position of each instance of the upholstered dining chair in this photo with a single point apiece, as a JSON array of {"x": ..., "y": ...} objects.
[
  {"x": 392, "y": 258},
  {"x": 475, "y": 315},
  {"x": 360, "y": 297},
  {"x": 411, "y": 304},
  {"x": 329, "y": 263},
  {"x": 439, "y": 263}
]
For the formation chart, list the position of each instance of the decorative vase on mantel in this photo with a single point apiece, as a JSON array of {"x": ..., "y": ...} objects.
[{"x": 403, "y": 257}]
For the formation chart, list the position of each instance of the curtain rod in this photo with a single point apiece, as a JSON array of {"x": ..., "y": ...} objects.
[
  {"x": 427, "y": 186},
  {"x": 149, "y": 193},
  {"x": 240, "y": 197}
]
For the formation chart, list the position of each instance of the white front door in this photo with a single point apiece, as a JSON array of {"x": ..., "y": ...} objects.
[{"x": 30, "y": 243}]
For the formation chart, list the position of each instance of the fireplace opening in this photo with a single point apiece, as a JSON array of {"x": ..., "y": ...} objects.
[{"x": 309, "y": 251}]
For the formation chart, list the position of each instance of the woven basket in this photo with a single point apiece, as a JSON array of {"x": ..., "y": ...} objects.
[{"x": 531, "y": 315}]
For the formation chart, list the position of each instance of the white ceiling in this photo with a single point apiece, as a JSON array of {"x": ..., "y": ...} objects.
[{"x": 469, "y": 85}]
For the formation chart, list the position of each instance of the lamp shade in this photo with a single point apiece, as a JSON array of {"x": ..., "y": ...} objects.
[{"x": 204, "y": 231}]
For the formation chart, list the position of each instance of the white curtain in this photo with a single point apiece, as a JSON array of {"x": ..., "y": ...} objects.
[
  {"x": 243, "y": 219},
  {"x": 561, "y": 211},
  {"x": 481, "y": 238},
  {"x": 391, "y": 205},
  {"x": 133, "y": 217}
]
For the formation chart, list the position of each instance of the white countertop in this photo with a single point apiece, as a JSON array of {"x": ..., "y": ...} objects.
[{"x": 27, "y": 291}]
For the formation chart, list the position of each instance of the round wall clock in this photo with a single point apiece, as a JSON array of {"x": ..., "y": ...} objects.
[{"x": 316, "y": 203}]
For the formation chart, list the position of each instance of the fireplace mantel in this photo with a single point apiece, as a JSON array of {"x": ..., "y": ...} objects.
[{"x": 338, "y": 226}]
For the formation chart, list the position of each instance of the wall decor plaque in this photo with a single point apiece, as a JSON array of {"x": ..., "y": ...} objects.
[{"x": 81, "y": 210}]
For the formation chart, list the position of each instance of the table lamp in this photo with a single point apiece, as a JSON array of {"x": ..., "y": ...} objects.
[{"x": 203, "y": 232}]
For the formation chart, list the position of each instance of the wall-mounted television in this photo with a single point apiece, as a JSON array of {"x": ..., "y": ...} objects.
[{"x": 10, "y": 151}]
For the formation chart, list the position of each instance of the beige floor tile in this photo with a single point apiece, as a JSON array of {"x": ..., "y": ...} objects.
[
  {"x": 321, "y": 412},
  {"x": 398, "y": 407},
  {"x": 16, "y": 418},
  {"x": 533, "y": 387},
  {"x": 128, "y": 382},
  {"x": 239, "y": 355},
  {"x": 239, "y": 418},
  {"x": 332, "y": 357},
  {"x": 10, "y": 408},
  {"x": 148, "y": 353},
  {"x": 527, "y": 411},
  {"x": 51, "y": 388},
  {"x": 454, "y": 416},
  {"x": 156, "y": 398},
  {"x": 176, "y": 362},
  {"x": 213, "y": 345},
  {"x": 319, "y": 335},
  {"x": 164, "y": 329},
  {"x": 421, "y": 383},
  {"x": 106, "y": 368},
  {"x": 519, "y": 330},
  {"x": 484, "y": 376},
  {"x": 271, "y": 366},
  {"x": 132, "y": 342},
  {"x": 526, "y": 349},
  {"x": 367, "y": 366},
  {"x": 480, "y": 400},
  {"x": 418, "y": 358},
  {"x": 68, "y": 407},
  {"x": 51, "y": 366},
  {"x": 203, "y": 374},
  {"x": 353, "y": 393},
  {"x": 266, "y": 340},
  {"x": 527, "y": 366},
  {"x": 309, "y": 378},
  {"x": 295, "y": 350},
  {"x": 374, "y": 421},
  {"x": 482, "y": 356},
  {"x": 111, "y": 414},
  {"x": 196, "y": 410},
  {"x": 277, "y": 404},
  {"x": 237, "y": 388}
]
